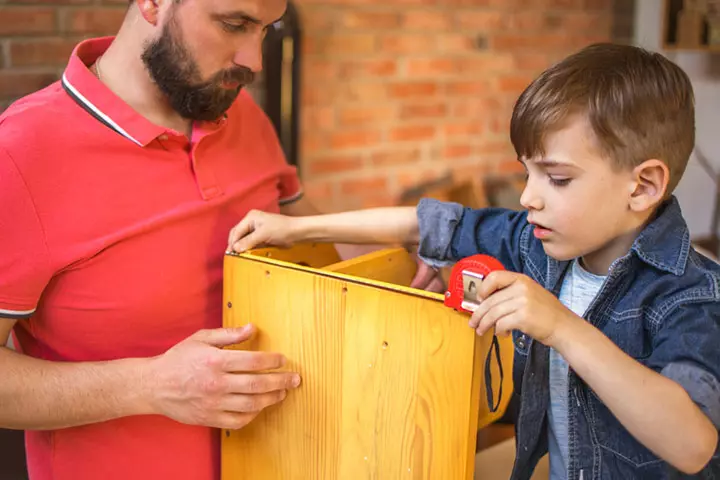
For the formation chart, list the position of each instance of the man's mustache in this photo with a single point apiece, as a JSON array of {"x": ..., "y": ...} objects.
[{"x": 240, "y": 74}]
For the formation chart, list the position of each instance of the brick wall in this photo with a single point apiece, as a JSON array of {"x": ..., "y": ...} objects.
[{"x": 394, "y": 91}]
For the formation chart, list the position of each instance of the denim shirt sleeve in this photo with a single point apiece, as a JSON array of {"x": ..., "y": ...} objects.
[
  {"x": 450, "y": 232},
  {"x": 687, "y": 350}
]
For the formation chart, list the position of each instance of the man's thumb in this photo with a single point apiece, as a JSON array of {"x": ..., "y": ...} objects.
[{"x": 223, "y": 337}]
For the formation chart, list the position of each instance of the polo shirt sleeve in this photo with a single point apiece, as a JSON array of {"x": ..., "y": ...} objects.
[
  {"x": 686, "y": 350},
  {"x": 24, "y": 265},
  {"x": 289, "y": 185}
]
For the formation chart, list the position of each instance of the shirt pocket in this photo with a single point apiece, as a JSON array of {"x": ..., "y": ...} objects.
[
  {"x": 627, "y": 329},
  {"x": 615, "y": 440}
]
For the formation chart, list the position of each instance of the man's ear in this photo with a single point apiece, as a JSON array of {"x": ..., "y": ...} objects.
[
  {"x": 150, "y": 10},
  {"x": 650, "y": 181}
]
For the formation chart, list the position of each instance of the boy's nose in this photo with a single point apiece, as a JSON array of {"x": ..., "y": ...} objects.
[{"x": 529, "y": 199}]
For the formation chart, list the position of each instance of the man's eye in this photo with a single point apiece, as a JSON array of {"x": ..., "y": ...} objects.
[{"x": 234, "y": 27}]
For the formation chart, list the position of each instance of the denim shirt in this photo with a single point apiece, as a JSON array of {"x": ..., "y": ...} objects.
[{"x": 660, "y": 304}]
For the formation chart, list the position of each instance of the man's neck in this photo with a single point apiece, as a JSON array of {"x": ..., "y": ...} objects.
[{"x": 121, "y": 69}]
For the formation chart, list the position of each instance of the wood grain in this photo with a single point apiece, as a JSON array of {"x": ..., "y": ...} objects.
[{"x": 391, "y": 380}]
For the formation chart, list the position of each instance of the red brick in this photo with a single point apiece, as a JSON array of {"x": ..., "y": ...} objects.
[
  {"x": 482, "y": 20},
  {"x": 365, "y": 92},
  {"x": 497, "y": 147},
  {"x": 334, "y": 164},
  {"x": 426, "y": 20},
  {"x": 407, "y": 43},
  {"x": 368, "y": 68},
  {"x": 514, "y": 83},
  {"x": 343, "y": 45},
  {"x": 391, "y": 158},
  {"x": 27, "y": 20},
  {"x": 13, "y": 85},
  {"x": 431, "y": 66},
  {"x": 412, "y": 90},
  {"x": 318, "y": 118},
  {"x": 463, "y": 129},
  {"x": 42, "y": 52},
  {"x": 486, "y": 62},
  {"x": 457, "y": 43},
  {"x": 458, "y": 151},
  {"x": 315, "y": 69},
  {"x": 357, "y": 116},
  {"x": 364, "y": 185},
  {"x": 370, "y": 20},
  {"x": 510, "y": 166},
  {"x": 354, "y": 139},
  {"x": 318, "y": 20},
  {"x": 412, "y": 132},
  {"x": 433, "y": 110},
  {"x": 93, "y": 21},
  {"x": 466, "y": 88},
  {"x": 318, "y": 191}
]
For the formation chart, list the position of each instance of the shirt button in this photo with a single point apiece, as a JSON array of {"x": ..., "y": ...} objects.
[{"x": 163, "y": 137}]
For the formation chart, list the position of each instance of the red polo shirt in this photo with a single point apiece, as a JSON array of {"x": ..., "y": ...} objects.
[{"x": 113, "y": 231}]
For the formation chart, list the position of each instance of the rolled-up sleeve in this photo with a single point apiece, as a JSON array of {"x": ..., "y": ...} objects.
[
  {"x": 687, "y": 350},
  {"x": 449, "y": 232}
]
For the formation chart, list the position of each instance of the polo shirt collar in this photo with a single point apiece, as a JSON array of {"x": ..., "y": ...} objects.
[{"x": 99, "y": 101}]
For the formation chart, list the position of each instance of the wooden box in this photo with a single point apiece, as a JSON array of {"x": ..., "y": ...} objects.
[{"x": 393, "y": 380}]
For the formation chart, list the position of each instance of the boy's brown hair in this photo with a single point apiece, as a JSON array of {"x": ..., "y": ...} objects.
[{"x": 640, "y": 106}]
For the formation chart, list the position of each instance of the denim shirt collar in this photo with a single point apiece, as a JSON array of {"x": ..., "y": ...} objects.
[{"x": 665, "y": 242}]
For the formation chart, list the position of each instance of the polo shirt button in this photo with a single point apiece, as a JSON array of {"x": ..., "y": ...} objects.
[{"x": 163, "y": 137}]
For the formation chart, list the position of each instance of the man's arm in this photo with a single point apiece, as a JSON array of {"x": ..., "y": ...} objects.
[
  {"x": 656, "y": 410},
  {"x": 195, "y": 382}
]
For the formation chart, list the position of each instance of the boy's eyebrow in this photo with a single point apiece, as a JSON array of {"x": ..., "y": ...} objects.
[{"x": 549, "y": 162}]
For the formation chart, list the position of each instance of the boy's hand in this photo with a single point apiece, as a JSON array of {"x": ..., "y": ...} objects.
[
  {"x": 262, "y": 229},
  {"x": 511, "y": 301}
]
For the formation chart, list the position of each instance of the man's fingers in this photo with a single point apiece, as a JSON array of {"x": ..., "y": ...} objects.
[
  {"x": 248, "y": 361},
  {"x": 258, "y": 384},
  {"x": 251, "y": 403},
  {"x": 232, "y": 420},
  {"x": 223, "y": 337},
  {"x": 424, "y": 276}
]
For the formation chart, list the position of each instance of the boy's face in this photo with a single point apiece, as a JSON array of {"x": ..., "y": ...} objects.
[{"x": 577, "y": 201}]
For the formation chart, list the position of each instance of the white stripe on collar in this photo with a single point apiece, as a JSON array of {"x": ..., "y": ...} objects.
[{"x": 97, "y": 111}]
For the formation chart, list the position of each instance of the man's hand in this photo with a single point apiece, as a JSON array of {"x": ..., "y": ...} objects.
[
  {"x": 512, "y": 301},
  {"x": 197, "y": 382},
  {"x": 427, "y": 278},
  {"x": 262, "y": 229}
]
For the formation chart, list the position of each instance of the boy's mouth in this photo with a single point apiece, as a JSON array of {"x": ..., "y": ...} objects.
[{"x": 541, "y": 232}]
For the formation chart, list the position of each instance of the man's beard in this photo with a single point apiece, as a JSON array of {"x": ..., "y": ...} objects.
[{"x": 177, "y": 75}]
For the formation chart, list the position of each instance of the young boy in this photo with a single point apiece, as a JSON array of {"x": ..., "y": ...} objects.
[{"x": 615, "y": 318}]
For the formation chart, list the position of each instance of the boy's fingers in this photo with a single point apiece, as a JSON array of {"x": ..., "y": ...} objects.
[
  {"x": 240, "y": 230},
  {"x": 494, "y": 315},
  {"x": 495, "y": 281},
  {"x": 247, "y": 242},
  {"x": 489, "y": 303}
]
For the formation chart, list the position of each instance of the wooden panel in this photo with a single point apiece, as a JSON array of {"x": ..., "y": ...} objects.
[
  {"x": 391, "y": 381},
  {"x": 315, "y": 255},
  {"x": 394, "y": 266}
]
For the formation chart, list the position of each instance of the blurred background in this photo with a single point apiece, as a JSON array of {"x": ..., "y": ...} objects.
[{"x": 379, "y": 102}]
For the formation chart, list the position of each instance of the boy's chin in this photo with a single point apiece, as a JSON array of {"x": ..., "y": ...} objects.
[{"x": 556, "y": 252}]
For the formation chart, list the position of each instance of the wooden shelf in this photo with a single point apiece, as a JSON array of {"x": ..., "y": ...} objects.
[{"x": 697, "y": 33}]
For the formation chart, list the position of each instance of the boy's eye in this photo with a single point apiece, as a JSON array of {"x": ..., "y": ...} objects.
[
  {"x": 234, "y": 27},
  {"x": 559, "y": 182}
]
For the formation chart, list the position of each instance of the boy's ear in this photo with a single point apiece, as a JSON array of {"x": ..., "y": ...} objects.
[{"x": 650, "y": 181}]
